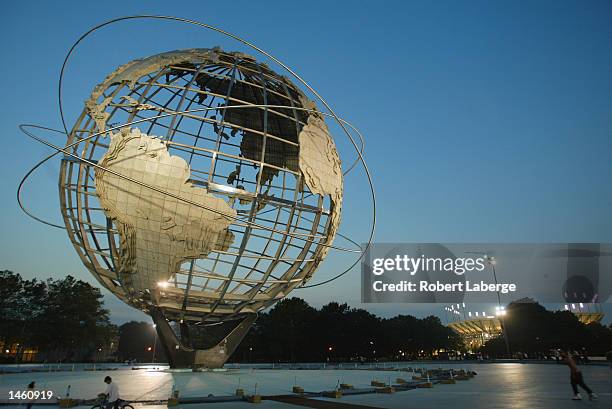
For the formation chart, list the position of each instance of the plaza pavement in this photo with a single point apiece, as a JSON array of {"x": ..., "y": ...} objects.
[{"x": 496, "y": 385}]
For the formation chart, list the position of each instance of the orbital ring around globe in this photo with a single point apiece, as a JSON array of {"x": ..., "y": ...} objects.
[
  {"x": 65, "y": 151},
  {"x": 358, "y": 150},
  {"x": 59, "y": 150},
  {"x": 249, "y": 224}
]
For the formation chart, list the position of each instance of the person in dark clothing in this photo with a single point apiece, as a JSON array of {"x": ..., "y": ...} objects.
[
  {"x": 31, "y": 387},
  {"x": 576, "y": 377}
]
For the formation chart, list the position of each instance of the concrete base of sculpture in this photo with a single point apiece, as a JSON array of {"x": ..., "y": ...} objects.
[{"x": 182, "y": 355}]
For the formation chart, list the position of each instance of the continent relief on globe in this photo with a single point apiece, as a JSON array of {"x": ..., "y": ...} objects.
[
  {"x": 157, "y": 231},
  {"x": 322, "y": 169}
]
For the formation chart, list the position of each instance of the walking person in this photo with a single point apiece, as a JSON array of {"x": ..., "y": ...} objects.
[
  {"x": 576, "y": 377},
  {"x": 31, "y": 387}
]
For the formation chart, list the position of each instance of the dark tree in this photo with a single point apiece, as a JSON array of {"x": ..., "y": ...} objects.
[
  {"x": 62, "y": 319},
  {"x": 286, "y": 330},
  {"x": 599, "y": 338},
  {"x": 22, "y": 303},
  {"x": 293, "y": 331},
  {"x": 137, "y": 342},
  {"x": 534, "y": 330},
  {"x": 74, "y": 323}
]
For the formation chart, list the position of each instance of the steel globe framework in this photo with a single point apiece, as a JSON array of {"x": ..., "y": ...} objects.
[
  {"x": 201, "y": 187},
  {"x": 256, "y": 150},
  {"x": 247, "y": 155}
]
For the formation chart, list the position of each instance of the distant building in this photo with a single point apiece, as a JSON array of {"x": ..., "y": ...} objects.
[
  {"x": 476, "y": 328},
  {"x": 16, "y": 353},
  {"x": 9, "y": 353},
  {"x": 586, "y": 313}
]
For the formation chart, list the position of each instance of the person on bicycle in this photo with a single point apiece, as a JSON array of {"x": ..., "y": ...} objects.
[{"x": 112, "y": 393}]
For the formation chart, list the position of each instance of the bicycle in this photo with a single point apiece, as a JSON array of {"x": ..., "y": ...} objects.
[{"x": 102, "y": 403}]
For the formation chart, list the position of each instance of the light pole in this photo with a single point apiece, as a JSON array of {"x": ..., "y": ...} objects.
[
  {"x": 502, "y": 312},
  {"x": 154, "y": 341}
]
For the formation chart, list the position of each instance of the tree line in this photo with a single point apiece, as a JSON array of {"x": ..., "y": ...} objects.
[
  {"x": 65, "y": 320},
  {"x": 293, "y": 331},
  {"x": 536, "y": 331}
]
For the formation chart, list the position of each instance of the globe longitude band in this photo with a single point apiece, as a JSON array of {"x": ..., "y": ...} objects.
[{"x": 210, "y": 257}]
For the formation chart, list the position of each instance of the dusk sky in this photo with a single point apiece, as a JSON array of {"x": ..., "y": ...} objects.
[{"x": 484, "y": 121}]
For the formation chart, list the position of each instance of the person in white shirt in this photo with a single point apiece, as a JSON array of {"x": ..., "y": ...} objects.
[{"x": 112, "y": 393}]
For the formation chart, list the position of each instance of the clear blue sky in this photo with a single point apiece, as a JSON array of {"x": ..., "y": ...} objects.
[{"x": 485, "y": 121}]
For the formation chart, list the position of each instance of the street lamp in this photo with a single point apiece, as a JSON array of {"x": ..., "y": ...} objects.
[
  {"x": 373, "y": 350},
  {"x": 154, "y": 341},
  {"x": 492, "y": 263},
  {"x": 329, "y": 350},
  {"x": 500, "y": 311}
]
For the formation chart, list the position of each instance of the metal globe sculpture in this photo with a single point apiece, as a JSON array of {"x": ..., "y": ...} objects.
[
  {"x": 200, "y": 187},
  {"x": 217, "y": 207}
]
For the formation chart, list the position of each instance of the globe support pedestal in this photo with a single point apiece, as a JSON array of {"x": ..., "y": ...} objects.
[{"x": 182, "y": 356}]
